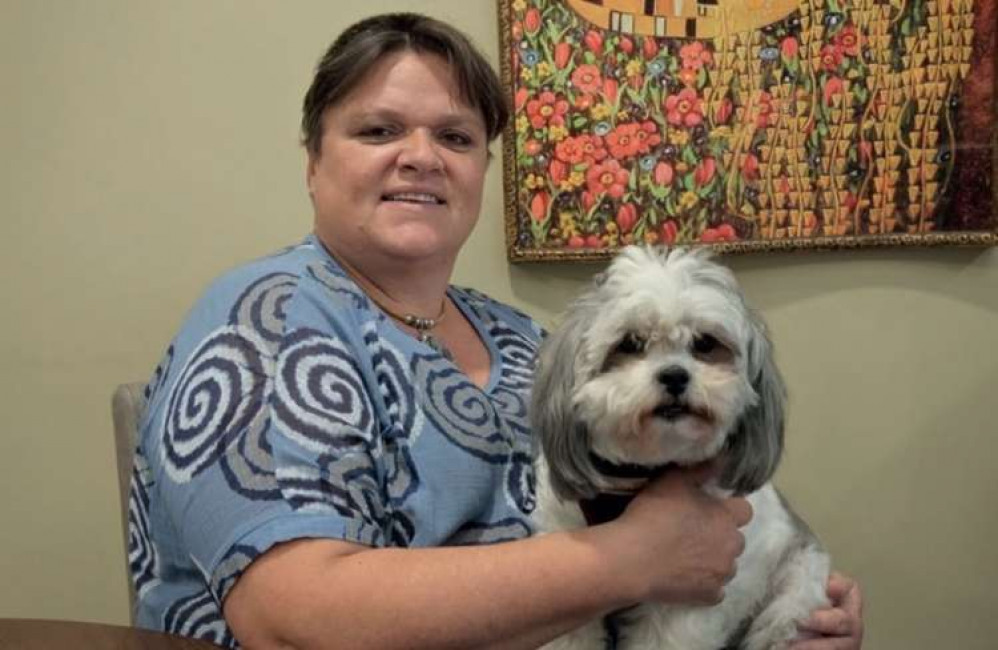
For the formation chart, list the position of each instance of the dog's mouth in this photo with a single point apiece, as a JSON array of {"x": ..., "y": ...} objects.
[{"x": 674, "y": 410}]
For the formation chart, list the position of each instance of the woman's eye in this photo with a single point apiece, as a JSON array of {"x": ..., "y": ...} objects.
[
  {"x": 705, "y": 344},
  {"x": 376, "y": 132},
  {"x": 630, "y": 344},
  {"x": 457, "y": 139}
]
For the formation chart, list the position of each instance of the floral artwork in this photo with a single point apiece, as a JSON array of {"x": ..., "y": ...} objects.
[{"x": 747, "y": 124}]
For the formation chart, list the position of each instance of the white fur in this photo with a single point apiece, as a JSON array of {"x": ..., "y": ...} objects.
[{"x": 590, "y": 396}]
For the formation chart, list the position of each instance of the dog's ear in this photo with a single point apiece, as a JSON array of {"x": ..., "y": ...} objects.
[
  {"x": 755, "y": 447},
  {"x": 564, "y": 439}
]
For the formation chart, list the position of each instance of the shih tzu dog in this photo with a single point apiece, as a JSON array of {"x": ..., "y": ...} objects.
[{"x": 662, "y": 363}]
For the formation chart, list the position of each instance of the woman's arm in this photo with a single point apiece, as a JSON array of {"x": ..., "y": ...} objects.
[{"x": 332, "y": 594}]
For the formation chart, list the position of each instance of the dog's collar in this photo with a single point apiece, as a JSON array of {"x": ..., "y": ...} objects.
[
  {"x": 605, "y": 506},
  {"x": 624, "y": 470},
  {"x": 629, "y": 478}
]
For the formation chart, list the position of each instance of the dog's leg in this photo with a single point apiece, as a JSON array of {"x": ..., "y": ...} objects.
[{"x": 799, "y": 585}]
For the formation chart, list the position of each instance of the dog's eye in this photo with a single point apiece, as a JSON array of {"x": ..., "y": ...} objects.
[
  {"x": 705, "y": 344},
  {"x": 630, "y": 344}
]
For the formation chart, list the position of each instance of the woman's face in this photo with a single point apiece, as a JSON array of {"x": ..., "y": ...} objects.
[{"x": 402, "y": 162}]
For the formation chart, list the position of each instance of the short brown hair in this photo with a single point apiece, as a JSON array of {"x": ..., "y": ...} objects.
[{"x": 359, "y": 47}]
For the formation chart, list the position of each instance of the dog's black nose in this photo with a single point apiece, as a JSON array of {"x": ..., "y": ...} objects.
[{"x": 675, "y": 379}]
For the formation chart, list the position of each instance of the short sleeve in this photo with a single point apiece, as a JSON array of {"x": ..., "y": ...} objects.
[{"x": 261, "y": 430}]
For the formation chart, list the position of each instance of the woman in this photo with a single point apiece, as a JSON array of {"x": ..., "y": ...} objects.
[{"x": 335, "y": 451}]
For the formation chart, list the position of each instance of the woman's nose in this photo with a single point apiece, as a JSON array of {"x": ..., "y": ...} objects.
[{"x": 419, "y": 153}]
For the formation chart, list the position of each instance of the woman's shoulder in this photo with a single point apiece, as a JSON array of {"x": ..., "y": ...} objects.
[{"x": 298, "y": 286}]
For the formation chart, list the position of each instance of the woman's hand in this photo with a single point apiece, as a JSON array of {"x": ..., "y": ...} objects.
[
  {"x": 839, "y": 627},
  {"x": 674, "y": 518}
]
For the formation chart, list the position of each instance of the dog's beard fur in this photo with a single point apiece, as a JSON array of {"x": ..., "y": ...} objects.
[{"x": 662, "y": 362}]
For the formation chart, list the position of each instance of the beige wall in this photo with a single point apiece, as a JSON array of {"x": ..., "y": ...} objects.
[{"x": 148, "y": 145}]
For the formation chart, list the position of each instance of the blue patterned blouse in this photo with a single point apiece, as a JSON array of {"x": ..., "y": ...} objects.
[{"x": 289, "y": 406}]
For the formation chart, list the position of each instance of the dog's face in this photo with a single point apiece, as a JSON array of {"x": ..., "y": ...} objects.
[{"x": 660, "y": 361}]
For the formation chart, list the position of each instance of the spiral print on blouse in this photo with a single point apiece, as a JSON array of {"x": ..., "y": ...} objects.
[
  {"x": 396, "y": 385},
  {"x": 319, "y": 396},
  {"x": 337, "y": 281},
  {"x": 504, "y": 530},
  {"x": 346, "y": 484},
  {"x": 143, "y": 561},
  {"x": 460, "y": 410},
  {"x": 230, "y": 567},
  {"x": 512, "y": 407},
  {"x": 248, "y": 464},
  {"x": 218, "y": 394},
  {"x": 261, "y": 305},
  {"x": 518, "y": 354},
  {"x": 520, "y": 484},
  {"x": 200, "y": 617}
]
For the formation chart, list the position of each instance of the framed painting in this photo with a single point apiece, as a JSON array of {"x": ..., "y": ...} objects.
[{"x": 747, "y": 124}]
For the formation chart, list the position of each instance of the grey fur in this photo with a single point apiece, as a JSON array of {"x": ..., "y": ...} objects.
[
  {"x": 753, "y": 450},
  {"x": 564, "y": 438}
]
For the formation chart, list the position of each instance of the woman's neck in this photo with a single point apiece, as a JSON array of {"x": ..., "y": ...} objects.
[{"x": 414, "y": 289}]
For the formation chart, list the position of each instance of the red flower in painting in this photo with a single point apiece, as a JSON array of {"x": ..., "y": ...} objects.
[
  {"x": 520, "y": 99},
  {"x": 647, "y": 136},
  {"x": 765, "y": 114},
  {"x": 649, "y": 47},
  {"x": 546, "y": 110},
  {"x": 562, "y": 54},
  {"x": 750, "y": 167},
  {"x": 688, "y": 76},
  {"x": 558, "y": 171},
  {"x": 848, "y": 40},
  {"x": 594, "y": 41},
  {"x": 532, "y": 21},
  {"x": 831, "y": 57},
  {"x": 626, "y": 45},
  {"x": 587, "y": 78},
  {"x": 724, "y": 232},
  {"x": 632, "y": 139},
  {"x": 789, "y": 47},
  {"x": 684, "y": 109},
  {"x": 724, "y": 111},
  {"x": 584, "y": 148},
  {"x": 695, "y": 55},
  {"x": 670, "y": 231},
  {"x": 834, "y": 86},
  {"x": 705, "y": 171},
  {"x": 539, "y": 206},
  {"x": 866, "y": 150},
  {"x": 610, "y": 88},
  {"x": 608, "y": 177},
  {"x": 627, "y": 216},
  {"x": 663, "y": 174}
]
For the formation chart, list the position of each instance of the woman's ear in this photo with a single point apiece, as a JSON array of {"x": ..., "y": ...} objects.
[{"x": 311, "y": 164}]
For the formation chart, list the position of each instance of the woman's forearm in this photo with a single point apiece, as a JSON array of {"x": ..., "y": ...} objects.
[{"x": 318, "y": 594}]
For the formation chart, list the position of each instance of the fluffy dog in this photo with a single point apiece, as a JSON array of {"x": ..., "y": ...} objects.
[{"x": 661, "y": 362}]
